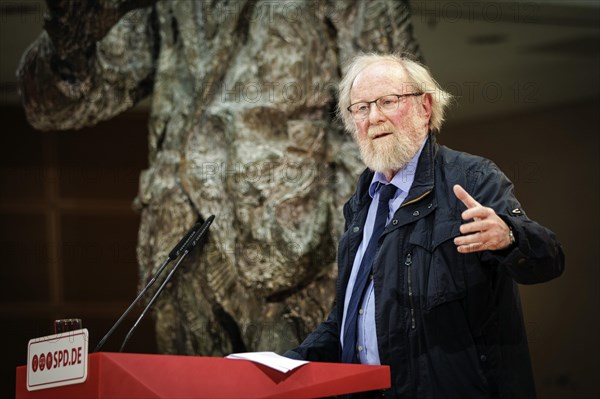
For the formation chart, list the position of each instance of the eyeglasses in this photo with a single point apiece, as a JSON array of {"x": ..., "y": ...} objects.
[{"x": 386, "y": 104}]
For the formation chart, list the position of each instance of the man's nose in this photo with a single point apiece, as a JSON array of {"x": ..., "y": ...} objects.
[{"x": 375, "y": 114}]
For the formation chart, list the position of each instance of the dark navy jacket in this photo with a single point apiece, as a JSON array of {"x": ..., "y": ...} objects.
[{"x": 448, "y": 324}]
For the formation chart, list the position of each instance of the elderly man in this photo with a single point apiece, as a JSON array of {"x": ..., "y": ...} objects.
[{"x": 434, "y": 244}]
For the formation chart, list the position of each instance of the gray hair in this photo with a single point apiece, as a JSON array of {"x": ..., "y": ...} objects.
[{"x": 418, "y": 74}]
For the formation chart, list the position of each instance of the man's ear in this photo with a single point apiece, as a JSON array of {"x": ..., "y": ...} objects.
[{"x": 426, "y": 105}]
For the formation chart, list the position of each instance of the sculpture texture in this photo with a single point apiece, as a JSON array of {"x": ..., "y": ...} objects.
[{"x": 241, "y": 126}]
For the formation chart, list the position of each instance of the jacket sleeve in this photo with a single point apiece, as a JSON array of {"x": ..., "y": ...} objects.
[
  {"x": 537, "y": 255},
  {"x": 322, "y": 345}
]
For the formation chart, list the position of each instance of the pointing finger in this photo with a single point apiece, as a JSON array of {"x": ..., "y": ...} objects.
[{"x": 464, "y": 197}]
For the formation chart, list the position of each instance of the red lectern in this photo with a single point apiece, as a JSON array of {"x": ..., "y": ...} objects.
[{"x": 137, "y": 376}]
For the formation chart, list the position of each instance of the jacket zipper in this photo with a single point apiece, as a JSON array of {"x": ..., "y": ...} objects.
[
  {"x": 408, "y": 263},
  {"x": 416, "y": 199}
]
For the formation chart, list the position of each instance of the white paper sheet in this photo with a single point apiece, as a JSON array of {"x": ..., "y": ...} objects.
[{"x": 270, "y": 359}]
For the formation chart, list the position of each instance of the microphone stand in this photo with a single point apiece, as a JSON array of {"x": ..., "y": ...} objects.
[
  {"x": 195, "y": 238},
  {"x": 183, "y": 243}
]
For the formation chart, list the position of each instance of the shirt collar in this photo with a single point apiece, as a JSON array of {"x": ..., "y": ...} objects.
[{"x": 403, "y": 179}]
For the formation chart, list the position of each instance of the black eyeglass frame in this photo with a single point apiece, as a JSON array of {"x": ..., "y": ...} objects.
[{"x": 379, "y": 98}]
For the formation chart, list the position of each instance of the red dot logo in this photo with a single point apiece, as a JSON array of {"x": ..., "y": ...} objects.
[
  {"x": 34, "y": 363},
  {"x": 49, "y": 361},
  {"x": 42, "y": 362}
]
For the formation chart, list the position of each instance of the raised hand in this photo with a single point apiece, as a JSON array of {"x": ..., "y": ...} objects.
[{"x": 486, "y": 232}]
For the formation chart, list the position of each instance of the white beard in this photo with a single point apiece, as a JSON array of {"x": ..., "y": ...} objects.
[{"x": 392, "y": 152}]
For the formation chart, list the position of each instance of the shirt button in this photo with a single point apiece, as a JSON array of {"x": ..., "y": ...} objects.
[
  {"x": 483, "y": 358},
  {"x": 395, "y": 222},
  {"x": 356, "y": 229},
  {"x": 416, "y": 213},
  {"x": 360, "y": 311},
  {"x": 360, "y": 348}
]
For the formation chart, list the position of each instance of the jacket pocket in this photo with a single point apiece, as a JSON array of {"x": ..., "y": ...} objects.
[{"x": 438, "y": 268}]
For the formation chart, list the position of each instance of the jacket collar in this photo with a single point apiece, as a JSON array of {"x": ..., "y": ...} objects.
[{"x": 424, "y": 177}]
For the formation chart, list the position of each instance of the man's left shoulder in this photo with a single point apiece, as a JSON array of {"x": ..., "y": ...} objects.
[{"x": 448, "y": 156}]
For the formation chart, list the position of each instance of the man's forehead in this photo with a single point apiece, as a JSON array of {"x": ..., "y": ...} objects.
[
  {"x": 381, "y": 70},
  {"x": 382, "y": 75}
]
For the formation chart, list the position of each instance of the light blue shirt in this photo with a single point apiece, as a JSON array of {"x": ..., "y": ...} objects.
[{"x": 366, "y": 334}]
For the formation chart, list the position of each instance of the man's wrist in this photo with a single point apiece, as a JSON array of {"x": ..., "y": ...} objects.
[{"x": 511, "y": 237}]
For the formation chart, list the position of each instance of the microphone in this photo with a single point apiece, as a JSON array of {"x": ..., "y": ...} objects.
[
  {"x": 195, "y": 238},
  {"x": 174, "y": 254}
]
